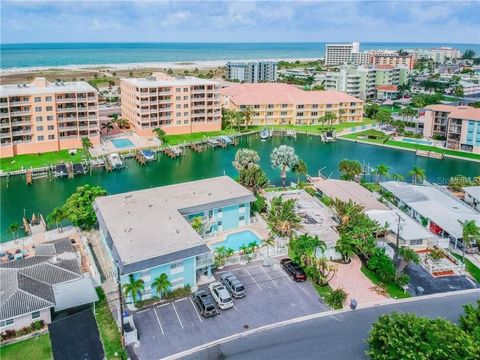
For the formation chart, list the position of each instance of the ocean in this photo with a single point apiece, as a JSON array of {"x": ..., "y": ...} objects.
[{"x": 64, "y": 54}]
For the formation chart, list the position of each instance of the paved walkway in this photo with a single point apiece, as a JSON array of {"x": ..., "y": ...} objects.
[{"x": 355, "y": 283}]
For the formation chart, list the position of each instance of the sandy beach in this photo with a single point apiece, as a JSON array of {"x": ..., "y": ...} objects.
[{"x": 187, "y": 65}]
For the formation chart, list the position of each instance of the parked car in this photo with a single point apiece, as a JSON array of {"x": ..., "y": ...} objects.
[
  {"x": 233, "y": 285},
  {"x": 221, "y": 295},
  {"x": 293, "y": 269},
  {"x": 204, "y": 302}
]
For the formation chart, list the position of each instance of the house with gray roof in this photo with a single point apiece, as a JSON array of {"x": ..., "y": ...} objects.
[
  {"x": 149, "y": 232},
  {"x": 472, "y": 196},
  {"x": 31, "y": 288}
]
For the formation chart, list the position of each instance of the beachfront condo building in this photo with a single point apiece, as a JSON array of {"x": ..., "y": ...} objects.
[
  {"x": 339, "y": 54},
  {"x": 47, "y": 116},
  {"x": 176, "y": 105},
  {"x": 391, "y": 58},
  {"x": 252, "y": 71},
  {"x": 373, "y": 82},
  {"x": 458, "y": 126},
  {"x": 278, "y": 103}
]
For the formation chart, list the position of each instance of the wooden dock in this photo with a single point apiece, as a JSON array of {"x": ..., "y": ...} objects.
[
  {"x": 198, "y": 147},
  {"x": 140, "y": 158},
  {"x": 29, "y": 177},
  {"x": 430, "y": 154}
]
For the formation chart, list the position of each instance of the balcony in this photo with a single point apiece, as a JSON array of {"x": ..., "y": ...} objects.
[
  {"x": 66, "y": 100},
  {"x": 5, "y": 135},
  {"x": 19, "y": 102},
  {"x": 22, "y": 132},
  {"x": 21, "y": 123},
  {"x": 20, "y": 113},
  {"x": 66, "y": 110}
]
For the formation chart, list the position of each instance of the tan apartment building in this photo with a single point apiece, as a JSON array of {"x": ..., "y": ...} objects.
[
  {"x": 44, "y": 116},
  {"x": 176, "y": 105},
  {"x": 277, "y": 104},
  {"x": 392, "y": 59},
  {"x": 459, "y": 126}
]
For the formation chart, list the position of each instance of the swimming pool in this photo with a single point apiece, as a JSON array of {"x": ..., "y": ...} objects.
[
  {"x": 122, "y": 143},
  {"x": 417, "y": 141},
  {"x": 236, "y": 240}
]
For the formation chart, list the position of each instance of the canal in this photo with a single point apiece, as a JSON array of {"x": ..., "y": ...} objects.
[{"x": 45, "y": 194}]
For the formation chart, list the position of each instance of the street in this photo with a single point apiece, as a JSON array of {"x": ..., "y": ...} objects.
[{"x": 337, "y": 337}]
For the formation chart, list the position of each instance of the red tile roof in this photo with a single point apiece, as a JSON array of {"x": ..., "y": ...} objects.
[
  {"x": 386, "y": 87},
  {"x": 278, "y": 93},
  {"x": 457, "y": 112}
]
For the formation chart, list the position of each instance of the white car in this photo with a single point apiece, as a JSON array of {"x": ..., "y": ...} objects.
[{"x": 221, "y": 295}]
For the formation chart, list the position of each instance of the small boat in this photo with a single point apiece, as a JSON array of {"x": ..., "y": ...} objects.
[
  {"x": 264, "y": 134},
  {"x": 79, "y": 169},
  {"x": 99, "y": 162},
  {"x": 329, "y": 136},
  {"x": 224, "y": 141},
  {"x": 213, "y": 142},
  {"x": 148, "y": 154},
  {"x": 115, "y": 161},
  {"x": 60, "y": 170}
]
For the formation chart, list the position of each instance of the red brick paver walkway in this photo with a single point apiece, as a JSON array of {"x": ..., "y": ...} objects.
[{"x": 350, "y": 278}]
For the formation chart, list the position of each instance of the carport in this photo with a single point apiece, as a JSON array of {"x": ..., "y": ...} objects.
[{"x": 76, "y": 337}]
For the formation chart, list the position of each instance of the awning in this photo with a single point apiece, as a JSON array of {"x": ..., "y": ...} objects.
[{"x": 74, "y": 293}]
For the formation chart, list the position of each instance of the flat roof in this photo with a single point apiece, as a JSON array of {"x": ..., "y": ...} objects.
[
  {"x": 50, "y": 88},
  {"x": 431, "y": 202},
  {"x": 349, "y": 190},
  {"x": 410, "y": 229},
  {"x": 148, "y": 227},
  {"x": 473, "y": 191},
  {"x": 152, "y": 81}
]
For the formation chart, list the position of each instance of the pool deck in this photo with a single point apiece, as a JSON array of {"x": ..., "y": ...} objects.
[
  {"x": 257, "y": 228},
  {"x": 107, "y": 147}
]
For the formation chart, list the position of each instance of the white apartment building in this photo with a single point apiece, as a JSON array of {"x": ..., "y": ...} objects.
[
  {"x": 176, "y": 105},
  {"x": 339, "y": 54},
  {"x": 47, "y": 116},
  {"x": 252, "y": 71}
]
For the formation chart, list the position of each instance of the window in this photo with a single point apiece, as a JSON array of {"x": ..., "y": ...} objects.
[
  {"x": 38, "y": 108},
  {"x": 38, "y": 99},
  {"x": 220, "y": 223},
  {"x": 176, "y": 267},
  {"x": 179, "y": 114},
  {"x": 50, "y": 127},
  {"x": 185, "y": 98},
  {"x": 51, "y": 137},
  {"x": 39, "y": 128},
  {"x": 50, "y": 118},
  {"x": 185, "y": 106},
  {"x": 39, "y": 118},
  {"x": 185, "y": 113},
  {"x": 185, "y": 89},
  {"x": 6, "y": 322},
  {"x": 177, "y": 283},
  {"x": 145, "y": 275},
  {"x": 49, "y": 108},
  {"x": 178, "y": 122},
  {"x": 178, "y": 106},
  {"x": 48, "y": 98},
  {"x": 178, "y": 89},
  {"x": 241, "y": 206},
  {"x": 416, "y": 242},
  {"x": 35, "y": 314},
  {"x": 256, "y": 106},
  {"x": 241, "y": 218},
  {"x": 178, "y": 98},
  {"x": 40, "y": 138}
]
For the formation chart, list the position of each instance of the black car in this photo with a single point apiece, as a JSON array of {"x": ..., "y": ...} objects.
[
  {"x": 206, "y": 306},
  {"x": 293, "y": 269}
]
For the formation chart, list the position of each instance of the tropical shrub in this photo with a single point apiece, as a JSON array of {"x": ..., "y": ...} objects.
[
  {"x": 470, "y": 321},
  {"x": 350, "y": 169},
  {"x": 407, "y": 336},
  {"x": 79, "y": 206},
  {"x": 259, "y": 205},
  {"x": 336, "y": 298},
  {"x": 253, "y": 178},
  {"x": 282, "y": 216},
  {"x": 178, "y": 293},
  {"x": 382, "y": 265}
]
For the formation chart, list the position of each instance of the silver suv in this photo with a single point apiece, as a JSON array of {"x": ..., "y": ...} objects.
[{"x": 233, "y": 285}]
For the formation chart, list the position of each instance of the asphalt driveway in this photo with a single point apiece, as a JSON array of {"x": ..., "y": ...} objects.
[{"x": 271, "y": 297}]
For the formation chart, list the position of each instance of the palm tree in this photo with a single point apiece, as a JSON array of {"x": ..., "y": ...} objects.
[
  {"x": 458, "y": 92},
  {"x": 247, "y": 114},
  {"x": 254, "y": 178},
  {"x": 86, "y": 144},
  {"x": 228, "y": 116},
  {"x": 300, "y": 168},
  {"x": 381, "y": 171},
  {"x": 134, "y": 288},
  {"x": 346, "y": 210},
  {"x": 197, "y": 224},
  {"x": 268, "y": 242},
  {"x": 417, "y": 174},
  {"x": 346, "y": 248},
  {"x": 330, "y": 118},
  {"x": 107, "y": 126},
  {"x": 160, "y": 134},
  {"x": 284, "y": 158},
  {"x": 13, "y": 229},
  {"x": 245, "y": 158},
  {"x": 282, "y": 216},
  {"x": 398, "y": 177},
  {"x": 57, "y": 216},
  {"x": 406, "y": 256},
  {"x": 161, "y": 284},
  {"x": 470, "y": 233}
]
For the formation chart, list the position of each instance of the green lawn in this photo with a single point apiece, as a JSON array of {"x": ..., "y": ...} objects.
[
  {"x": 392, "y": 109},
  {"x": 470, "y": 267},
  {"x": 316, "y": 129},
  {"x": 111, "y": 338},
  {"x": 362, "y": 136},
  {"x": 37, "y": 348},
  {"x": 38, "y": 160},
  {"x": 187, "y": 138},
  {"x": 393, "y": 290}
]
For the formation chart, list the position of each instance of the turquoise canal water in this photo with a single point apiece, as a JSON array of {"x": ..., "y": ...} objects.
[{"x": 45, "y": 194}]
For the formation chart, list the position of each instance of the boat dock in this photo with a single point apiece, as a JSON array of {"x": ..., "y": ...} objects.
[
  {"x": 173, "y": 151},
  {"x": 430, "y": 154},
  {"x": 198, "y": 147}
]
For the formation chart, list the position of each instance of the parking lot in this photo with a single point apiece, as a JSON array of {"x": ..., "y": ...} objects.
[{"x": 271, "y": 297}]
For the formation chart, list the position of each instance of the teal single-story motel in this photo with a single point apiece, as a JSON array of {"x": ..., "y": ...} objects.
[{"x": 148, "y": 232}]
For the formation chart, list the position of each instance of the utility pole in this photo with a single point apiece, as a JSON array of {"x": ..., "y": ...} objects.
[
  {"x": 397, "y": 244},
  {"x": 121, "y": 305}
]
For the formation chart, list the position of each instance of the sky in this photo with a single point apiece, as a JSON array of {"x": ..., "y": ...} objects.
[{"x": 239, "y": 21}]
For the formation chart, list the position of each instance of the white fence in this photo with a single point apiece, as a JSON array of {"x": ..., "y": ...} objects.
[{"x": 260, "y": 255}]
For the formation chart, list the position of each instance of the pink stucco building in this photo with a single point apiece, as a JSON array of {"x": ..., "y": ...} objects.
[
  {"x": 176, "y": 105},
  {"x": 44, "y": 116}
]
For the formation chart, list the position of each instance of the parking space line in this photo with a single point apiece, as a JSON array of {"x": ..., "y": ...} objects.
[
  {"x": 248, "y": 272},
  {"x": 158, "y": 320},
  {"x": 196, "y": 311},
  {"x": 181, "y": 299},
  {"x": 274, "y": 283},
  {"x": 142, "y": 311},
  {"x": 235, "y": 307},
  {"x": 163, "y": 305},
  {"x": 178, "y": 317}
]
